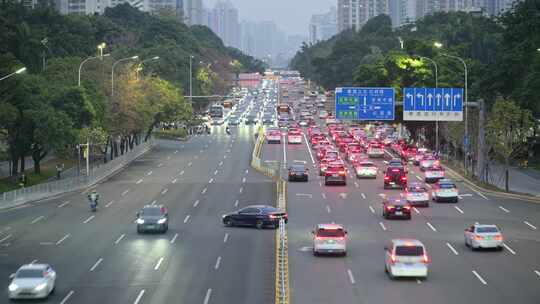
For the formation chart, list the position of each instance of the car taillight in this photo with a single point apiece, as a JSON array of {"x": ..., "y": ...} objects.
[
  {"x": 272, "y": 216},
  {"x": 386, "y": 177},
  {"x": 498, "y": 237},
  {"x": 340, "y": 238},
  {"x": 478, "y": 237},
  {"x": 425, "y": 258},
  {"x": 407, "y": 207},
  {"x": 395, "y": 170},
  {"x": 393, "y": 258},
  {"x": 403, "y": 178},
  {"x": 390, "y": 207},
  {"x": 341, "y": 172}
]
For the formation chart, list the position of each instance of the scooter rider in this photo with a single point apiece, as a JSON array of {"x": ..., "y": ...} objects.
[{"x": 93, "y": 197}]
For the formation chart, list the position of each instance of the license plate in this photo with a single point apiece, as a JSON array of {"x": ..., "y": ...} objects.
[
  {"x": 392, "y": 183},
  {"x": 409, "y": 264},
  {"x": 334, "y": 175},
  {"x": 399, "y": 213},
  {"x": 488, "y": 238},
  {"x": 151, "y": 226}
]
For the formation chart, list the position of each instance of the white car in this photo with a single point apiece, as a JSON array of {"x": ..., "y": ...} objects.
[
  {"x": 375, "y": 151},
  {"x": 323, "y": 114},
  {"x": 273, "y": 136},
  {"x": 433, "y": 174},
  {"x": 406, "y": 258},
  {"x": 483, "y": 236},
  {"x": 445, "y": 190},
  {"x": 427, "y": 162},
  {"x": 417, "y": 195},
  {"x": 366, "y": 170},
  {"x": 32, "y": 281},
  {"x": 294, "y": 138},
  {"x": 329, "y": 239}
]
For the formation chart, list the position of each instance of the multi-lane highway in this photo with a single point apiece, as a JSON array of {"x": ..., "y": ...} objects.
[
  {"x": 99, "y": 257},
  {"x": 456, "y": 274}
]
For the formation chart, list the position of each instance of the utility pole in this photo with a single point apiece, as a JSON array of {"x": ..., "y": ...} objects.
[{"x": 482, "y": 151}]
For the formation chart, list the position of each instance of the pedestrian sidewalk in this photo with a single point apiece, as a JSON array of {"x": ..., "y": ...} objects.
[{"x": 520, "y": 180}]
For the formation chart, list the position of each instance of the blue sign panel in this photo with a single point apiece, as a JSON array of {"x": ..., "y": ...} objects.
[
  {"x": 365, "y": 103},
  {"x": 433, "y": 104}
]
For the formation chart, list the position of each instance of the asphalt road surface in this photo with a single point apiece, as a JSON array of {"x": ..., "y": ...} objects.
[
  {"x": 99, "y": 257},
  {"x": 456, "y": 274}
]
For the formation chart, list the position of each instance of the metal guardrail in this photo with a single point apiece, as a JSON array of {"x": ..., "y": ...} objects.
[{"x": 45, "y": 190}]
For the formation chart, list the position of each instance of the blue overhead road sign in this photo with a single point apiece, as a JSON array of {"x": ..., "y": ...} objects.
[
  {"x": 365, "y": 103},
  {"x": 445, "y": 104}
]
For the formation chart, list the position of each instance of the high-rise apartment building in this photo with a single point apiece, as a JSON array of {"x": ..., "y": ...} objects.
[
  {"x": 353, "y": 14},
  {"x": 193, "y": 11},
  {"x": 344, "y": 12},
  {"x": 223, "y": 20},
  {"x": 323, "y": 26}
]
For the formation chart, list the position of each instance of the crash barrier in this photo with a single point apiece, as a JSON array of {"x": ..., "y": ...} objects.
[
  {"x": 46, "y": 190},
  {"x": 282, "y": 255}
]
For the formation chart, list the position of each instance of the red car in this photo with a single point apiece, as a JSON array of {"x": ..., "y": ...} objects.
[{"x": 335, "y": 174}]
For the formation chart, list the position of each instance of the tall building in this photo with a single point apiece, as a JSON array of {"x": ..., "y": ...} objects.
[
  {"x": 353, "y": 14},
  {"x": 193, "y": 11},
  {"x": 323, "y": 26},
  {"x": 223, "y": 20},
  {"x": 344, "y": 12}
]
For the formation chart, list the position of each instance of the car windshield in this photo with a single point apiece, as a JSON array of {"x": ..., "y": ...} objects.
[
  {"x": 409, "y": 250},
  {"x": 367, "y": 165},
  {"x": 447, "y": 186},
  {"x": 336, "y": 168},
  {"x": 298, "y": 168},
  {"x": 417, "y": 189},
  {"x": 151, "y": 211},
  {"x": 330, "y": 233},
  {"x": 29, "y": 273},
  {"x": 487, "y": 230}
]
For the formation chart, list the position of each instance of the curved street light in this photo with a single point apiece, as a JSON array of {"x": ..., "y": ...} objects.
[
  {"x": 19, "y": 71},
  {"x": 466, "y": 146},
  {"x": 139, "y": 66},
  {"x": 112, "y": 70},
  {"x": 86, "y": 60}
]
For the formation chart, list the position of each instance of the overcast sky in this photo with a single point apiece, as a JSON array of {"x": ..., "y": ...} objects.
[{"x": 292, "y": 16}]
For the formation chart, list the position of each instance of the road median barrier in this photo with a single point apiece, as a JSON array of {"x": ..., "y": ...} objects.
[{"x": 282, "y": 254}]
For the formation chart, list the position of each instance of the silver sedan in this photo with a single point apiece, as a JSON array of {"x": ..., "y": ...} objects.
[{"x": 32, "y": 281}]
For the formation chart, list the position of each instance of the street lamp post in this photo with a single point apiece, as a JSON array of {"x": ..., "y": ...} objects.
[
  {"x": 112, "y": 71},
  {"x": 86, "y": 60},
  {"x": 466, "y": 140},
  {"x": 19, "y": 71},
  {"x": 139, "y": 67},
  {"x": 191, "y": 79},
  {"x": 436, "y": 86}
]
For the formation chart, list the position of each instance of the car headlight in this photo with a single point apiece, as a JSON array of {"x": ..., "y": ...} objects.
[
  {"x": 161, "y": 221},
  {"x": 140, "y": 221},
  {"x": 223, "y": 216},
  {"x": 40, "y": 287},
  {"x": 13, "y": 287}
]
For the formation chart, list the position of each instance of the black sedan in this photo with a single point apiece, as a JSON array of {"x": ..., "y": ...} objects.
[
  {"x": 396, "y": 207},
  {"x": 298, "y": 173},
  {"x": 258, "y": 216}
]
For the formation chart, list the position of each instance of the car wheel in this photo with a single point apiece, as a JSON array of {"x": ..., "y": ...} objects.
[
  {"x": 259, "y": 224},
  {"x": 500, "y": 248},
  {"x": 139, "y": 230},
  {"x": 315, "y": 253},
  {"x": 228, "y": 223},
  {"x": 408, "y": 217}
]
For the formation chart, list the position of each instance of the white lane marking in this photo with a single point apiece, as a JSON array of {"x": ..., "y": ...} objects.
[
  {"x": 225, "y": 156},
  {"x": 452, "y": 248},
  {"x": 530, "y": 225},
  {"x": 483, "y": 196},
  {"x": 211, "y": 180},
  {"x": 320, "y": 184},
  {"x": 241, "y": 189},
  {"x": 63, "y": 239},
  {"x": 305, "y": 195},
  {"x": 351, "y": 277},
  {"x": 459, "y": 209},
  {"x": 139, "y": 297},
  {"x": 174, "y": 238},
  {"x": 187, "y": 218},
  {"x": 328, "y": 209},
  {"x": 196, "y": 157},
  {"x": 5, "y": 238},
  {"x": 139, "y": 181},
  {"x": 537, "y": 272},
  {"x": 89, "y": 219},
  {"x": 323, "y": 195},
  {"x": 158, "y": 263},
  {"x": 479, "y": 277},
  {"x": 356, "y": 184},
  {"x": 247, "y": 171},
  {"x": 218, "y": 262},
  {"x": 37, "y": 219},
  {"x": 363, "y": 195},
  {"x": 429, "y": 186},
  {"x": 168, "y": 157},
  {"x": 63, "y": 204},
  {"x": 418, "y": 281},
  {"x": 431, "y": 226},
  {"x": 125, "y": 192},
  {"x": 159, "y": 165},
  {"x": 119, "y": 239},
  {"x": 207, "y": 296},
  {"x": 174, "y": 181},
  {"x": 182, "y": 172},
  {"x": 196, "y": 203},
  {"x": 220, "y": 163},
  {"x": 509, "y": 249},
  {"x": 343, "y": 195},
  {"x": 299, "y": 161},
  {"x": 504, "y": 209},
  {"x": 416, "y": 210},
  {"x": 225, "y": 238},
  {"x": 284, "y": 155},
  {"x": 236, "y": 203},
  {"x": 371, "y": 209},
  {"x": 189, "y": 164},
  {"x": 149, "y": 173},
  {"x": 243, "y": 180},
  {"x": 66, "y": 298},
  {"x": 382, "y": 226},
  {"x": 46, "y": 243},
  {"x": 96, "y": 264},
  {"x": 204, "y": 191},
  {"x": 216, "y": 172},
  {"x": 309, "y": 149},
  {"x": 419, "y": 178},
  {"x": 382, "y": 195},
  {"x": 153, "y": 203},
  {"x": 175, "y": 151},
  {"x": 164, "y": 191}
]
